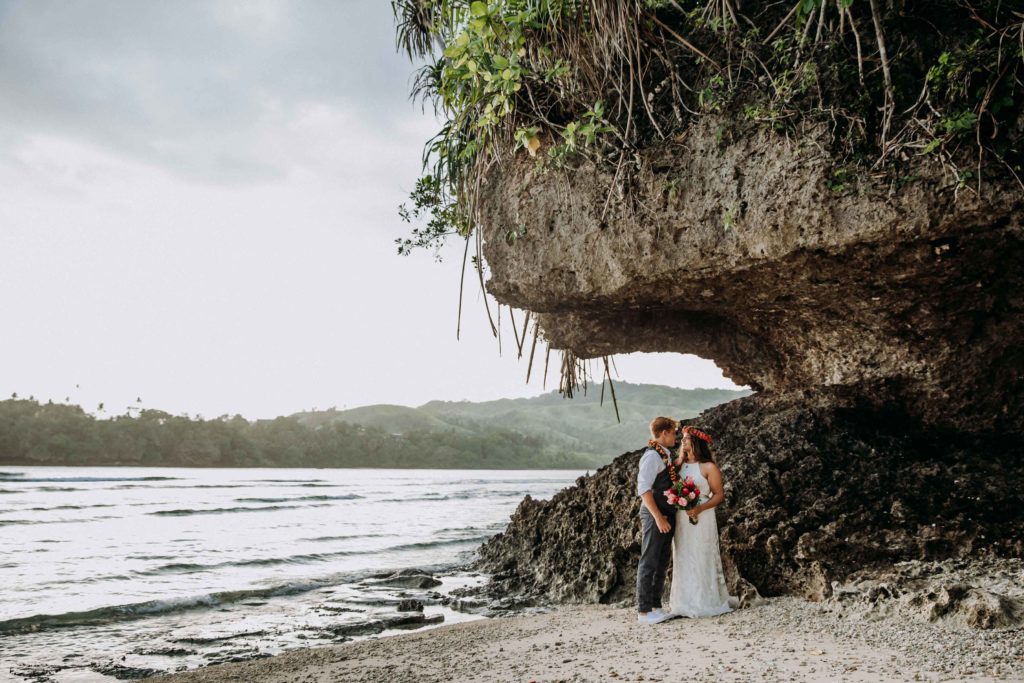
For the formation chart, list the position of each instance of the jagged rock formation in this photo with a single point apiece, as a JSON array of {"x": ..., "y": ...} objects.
[
  {"x": 986, "y": 594},
  {"x": 820, "y": 485},
  {"x": 733, "y": 246},
  {"x": 882, "y": 324}
]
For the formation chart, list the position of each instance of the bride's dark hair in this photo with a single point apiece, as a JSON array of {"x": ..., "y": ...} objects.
[{"x": 701, "y": 449}]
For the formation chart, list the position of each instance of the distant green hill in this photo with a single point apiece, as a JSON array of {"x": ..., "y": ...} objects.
[
  {"x": 529, "y": 433},
  {"x": 579, "y": 426}
]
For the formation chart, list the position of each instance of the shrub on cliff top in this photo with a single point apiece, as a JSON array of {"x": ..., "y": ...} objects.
[{"x": 891, "y": 80}]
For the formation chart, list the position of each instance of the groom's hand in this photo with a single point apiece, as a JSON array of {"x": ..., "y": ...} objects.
[{"x": 663, "y": 525}]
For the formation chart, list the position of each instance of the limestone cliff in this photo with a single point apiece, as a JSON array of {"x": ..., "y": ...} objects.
[{"x": 739, "y": 251}]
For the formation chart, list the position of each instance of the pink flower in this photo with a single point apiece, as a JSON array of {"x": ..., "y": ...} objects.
[
  {"x": 672, "y": 498},
  {"x": 682, "y": 501},
  {"x": 692, "y": 496},
  {"x": 689, "y": 481}
]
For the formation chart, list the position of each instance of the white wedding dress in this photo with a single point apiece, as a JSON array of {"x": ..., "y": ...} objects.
[{"x": 698, "y": 581}]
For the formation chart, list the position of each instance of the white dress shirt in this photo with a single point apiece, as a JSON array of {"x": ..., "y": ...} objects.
[{"x": 651, "y": 465}]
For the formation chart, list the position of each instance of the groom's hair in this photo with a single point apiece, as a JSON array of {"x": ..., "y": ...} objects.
[{"x": 660, "y": 424}]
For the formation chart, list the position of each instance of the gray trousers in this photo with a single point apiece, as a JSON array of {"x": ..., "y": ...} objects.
[{"x": 655, "y": 552}]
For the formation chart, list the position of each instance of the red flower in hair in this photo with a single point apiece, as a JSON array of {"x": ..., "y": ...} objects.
[{"x": 693, "y": 431}]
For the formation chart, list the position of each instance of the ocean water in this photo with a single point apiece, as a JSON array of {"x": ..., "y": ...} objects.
[{"x": 115, "y": 571}]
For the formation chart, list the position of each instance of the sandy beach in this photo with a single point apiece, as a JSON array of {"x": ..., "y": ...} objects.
[{"x": 785, "y": 639}]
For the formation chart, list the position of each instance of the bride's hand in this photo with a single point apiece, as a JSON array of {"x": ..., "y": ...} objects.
[{"x": 693, "y": 514}]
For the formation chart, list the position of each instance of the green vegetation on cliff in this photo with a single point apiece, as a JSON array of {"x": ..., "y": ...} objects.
[
  {"x": 541, "y": 432},
  {"x": 895, "y": 83}
]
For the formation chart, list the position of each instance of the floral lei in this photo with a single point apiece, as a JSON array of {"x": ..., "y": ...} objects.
[{"x": 666, "y": 458}]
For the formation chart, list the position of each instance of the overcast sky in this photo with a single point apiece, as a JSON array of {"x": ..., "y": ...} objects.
[{"x": 198, "y": 208}]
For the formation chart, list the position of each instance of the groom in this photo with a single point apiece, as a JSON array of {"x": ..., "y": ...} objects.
[{"x": 657, "y": 519}]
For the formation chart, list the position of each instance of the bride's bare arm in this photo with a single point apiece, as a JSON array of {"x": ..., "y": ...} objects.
[{"x": 714, "y": 477}]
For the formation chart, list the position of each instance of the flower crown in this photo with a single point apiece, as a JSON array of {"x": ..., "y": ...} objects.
[{"x": 693, "y": 431}]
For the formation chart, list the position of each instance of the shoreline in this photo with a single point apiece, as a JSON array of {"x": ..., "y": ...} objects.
[
  {"x": 779, "y": 639},
  {"x": 224, "y": 565},
  {"x": 380, "y": 604}
]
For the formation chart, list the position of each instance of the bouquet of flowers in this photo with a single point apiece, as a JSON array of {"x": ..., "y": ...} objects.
[{"x": 684, "y": 495}]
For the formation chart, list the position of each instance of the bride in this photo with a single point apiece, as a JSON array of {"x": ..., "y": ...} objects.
[{"x": 698, "y": 581}]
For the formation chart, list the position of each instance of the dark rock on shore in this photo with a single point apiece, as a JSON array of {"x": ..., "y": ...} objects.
[
  {"x": 820, "y": 484},
  {"x": 122, "y": 672},
  {"x": 164, "y": 651},
  {"x": 206, "y": 640},
  {"x": 364, "y": 628},
  {"x": 37, "y": 673},
  {"x": 408, "y": 578},
  {"x": 410, "y": 605}
]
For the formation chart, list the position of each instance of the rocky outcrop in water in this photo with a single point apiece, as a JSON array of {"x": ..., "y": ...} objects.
[{"x": 820, "y": 485}]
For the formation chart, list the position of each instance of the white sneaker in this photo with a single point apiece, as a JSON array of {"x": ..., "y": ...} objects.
[
  {"x": 657, "y": 616},
  {"x": 652, "y": 617}
]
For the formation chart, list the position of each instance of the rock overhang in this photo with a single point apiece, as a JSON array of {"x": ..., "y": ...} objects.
[{"x": 744, "y": 254}]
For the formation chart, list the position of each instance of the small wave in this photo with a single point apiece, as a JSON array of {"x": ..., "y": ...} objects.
[
  {"x": 306, "y": 558},
  {"x": 11, "y": 474},
  {"x": 439, "y": 543},
  {"x": 72, "y": 507},
  {"x": 292, "y": 481},
  {"x": 492, "y": 482},
  {"x": 13, "y": 522},
  {"x": 7, "y": 491},
  {"x": 192, "y": 568},
  {"x": 490, "y": 528},
  {"x": 348, "y": 496},
  {"x": 176, "y": 567},
  {"x": 178, "y": 486},
  {"x": 221, "y": 511},
  {"x": 466, "y": 495},
  {"x": 92, "y": 578},
  {"x": 213, "y": 486},
  {"x": 53, "y": 489},
  {"x": 345, "y": 538},
  {"x": 20, "y": 479}
]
